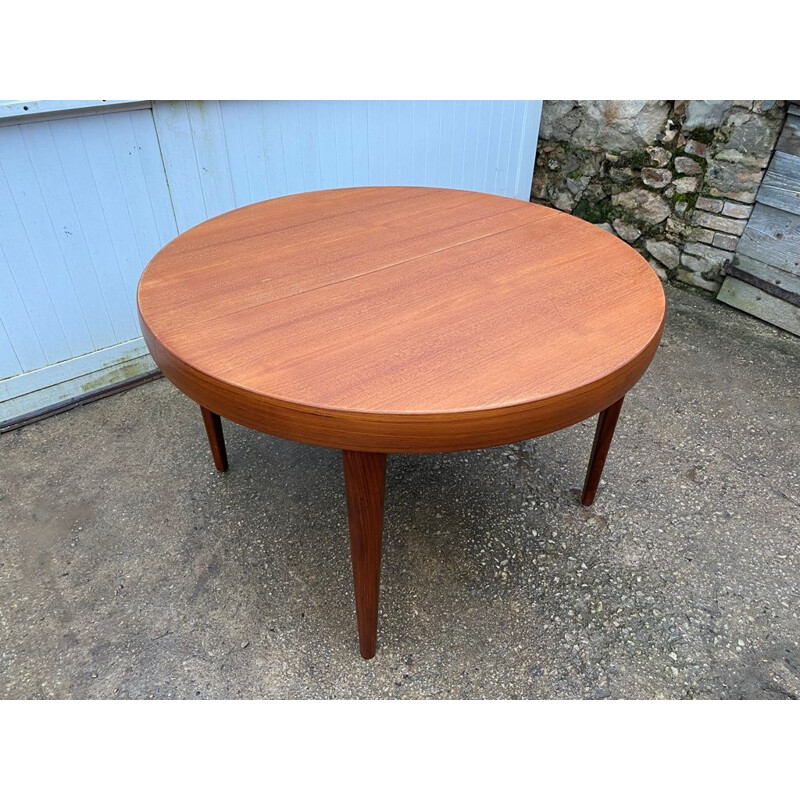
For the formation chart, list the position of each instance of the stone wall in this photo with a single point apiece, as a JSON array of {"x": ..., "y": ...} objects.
[{"x": 676, "y": 179}]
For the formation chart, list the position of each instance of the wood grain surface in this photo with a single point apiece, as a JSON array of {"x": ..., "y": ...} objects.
[{"x": 401, "y": 319}]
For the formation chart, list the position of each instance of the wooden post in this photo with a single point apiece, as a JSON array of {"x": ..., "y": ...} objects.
[
  {"x": 365, "y": 480},
  {"x": 603, "y": 434}
]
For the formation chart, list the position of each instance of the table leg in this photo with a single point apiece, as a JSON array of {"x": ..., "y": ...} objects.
[
  {"x": 602, "y": 441},
  {"x": 364, "y": 480},
  {"x": 215, "y": 438}
]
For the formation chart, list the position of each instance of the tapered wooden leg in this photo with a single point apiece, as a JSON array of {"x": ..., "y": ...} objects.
[
  {"x": 602, "y": 441},
  {"x": 364, "y": 481},
  {"x": 215, "y": 438}
]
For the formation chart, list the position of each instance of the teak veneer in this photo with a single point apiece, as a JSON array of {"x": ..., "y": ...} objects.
[{"x": 400, "y": 320}]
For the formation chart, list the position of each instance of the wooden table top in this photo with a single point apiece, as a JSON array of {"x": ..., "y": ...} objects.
[{"x": 401, "y": 318}]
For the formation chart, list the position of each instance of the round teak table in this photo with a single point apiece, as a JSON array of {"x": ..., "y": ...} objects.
[{"x": 400, "y": 320}]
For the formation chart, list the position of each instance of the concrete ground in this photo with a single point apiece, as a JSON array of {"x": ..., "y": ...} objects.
[{"x": 130, "y": 568}]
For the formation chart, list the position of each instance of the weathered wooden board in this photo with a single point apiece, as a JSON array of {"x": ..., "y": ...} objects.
[
  {"x": 789, "y": 141},
  {"x": 772, "y": 236},
  {"x": 781, "y": 185},
  {"x": 794, "y": 109},
  {"x": 771, "y": 279},
  {"x": 771, "y": 309}
]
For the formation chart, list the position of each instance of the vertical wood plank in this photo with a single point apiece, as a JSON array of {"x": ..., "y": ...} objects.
[
  {"x": 100, "y": 222},
  {"x": 130, "y": 256},
  {"x": 344, "y": 144},
  {"x": 309, "y": 145},
  {"x": 9, "y": 363},
  {"x": 445, "y": 135},
  {"x": 74, "y": 257},
  {"x": 276, "y": 162},
  {"x": 419, "y": 128},
  {"x": 503, "y": 147},
  {"x": 532, "y": 112},
  {"x": 405, "y": 144},
  {"x": 151, "y": 164},
  {"x": 328, "y": 141},
  {"x": 211, "y": 151},
  {"x": 375, "y": 158},
  {"x": 22, "y": 350},
  {"x": 515, "y": 140},
  {"x": 433, "y": 116},
  {"x": 359, "y": 138},
  {"x": 290, "y": 141},
  {"x": 177, "y": 149},
  {"x": 471, "y": 146},
  {"x": 391, "y": 144},
  {"x": 33, "y": 257},
  {"x": 242, "y": 126}
]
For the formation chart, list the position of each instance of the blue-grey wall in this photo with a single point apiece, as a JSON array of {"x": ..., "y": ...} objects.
[{"x": 89, "y": 194}]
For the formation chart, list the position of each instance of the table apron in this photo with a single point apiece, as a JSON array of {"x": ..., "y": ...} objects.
[{"x": 400, "y": 433}]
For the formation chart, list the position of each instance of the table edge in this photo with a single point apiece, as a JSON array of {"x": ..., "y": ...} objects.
[{"x": 399, "y": 432}]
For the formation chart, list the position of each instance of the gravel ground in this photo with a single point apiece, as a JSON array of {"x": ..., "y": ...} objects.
[{"x": 130, "y": 569}]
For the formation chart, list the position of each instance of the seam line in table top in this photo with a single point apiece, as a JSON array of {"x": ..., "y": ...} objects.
[
  {"x": 424, "y": 192},
  {"x": 344, "y": 234},
  {"x": 516, "y": 226}
]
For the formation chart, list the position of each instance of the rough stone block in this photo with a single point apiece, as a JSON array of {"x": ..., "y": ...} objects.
[
  {"x": 687, "y": 166},
  {"x": 670, "y": 133},
  {"x": 659, "y": 156},
  {"x": 685, "y": 185},
  {"x": 705, "y": 255},
  {"x": 705, "y": 113},
  {"x": 595, "y": 192},
  {"x": 539, "y": 187},
  {"x": 700, "y": 235},
  {"x": 578, "y": 185},
  {"x": 676, "y": 227},
  {"x": 646, "y": 206},
  {"x": 724, "y": 224},
  {"x": 694, "y": 279},
  {"x": 626, "y": 231},
  {"x": 742, "y": 197},
  {"x": 620, "y": 174},
  {"x": 695, "y": 148},
  {"x": 656, "y": 178},
  {"x": 732, "y": 180},
  {"x": 746, "y": 159},
  {"x": 737, "y": 210},
  {"x": 725, "y": 241},
  {"x": 616, "y": 125},
  {"x": 709, "y": 204},
  {"x": 658, "y": 269},
  {"x": 751, "y": 134},
  {"x": 664, "y": 252},
  {"x": 564, "y": 201}
]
